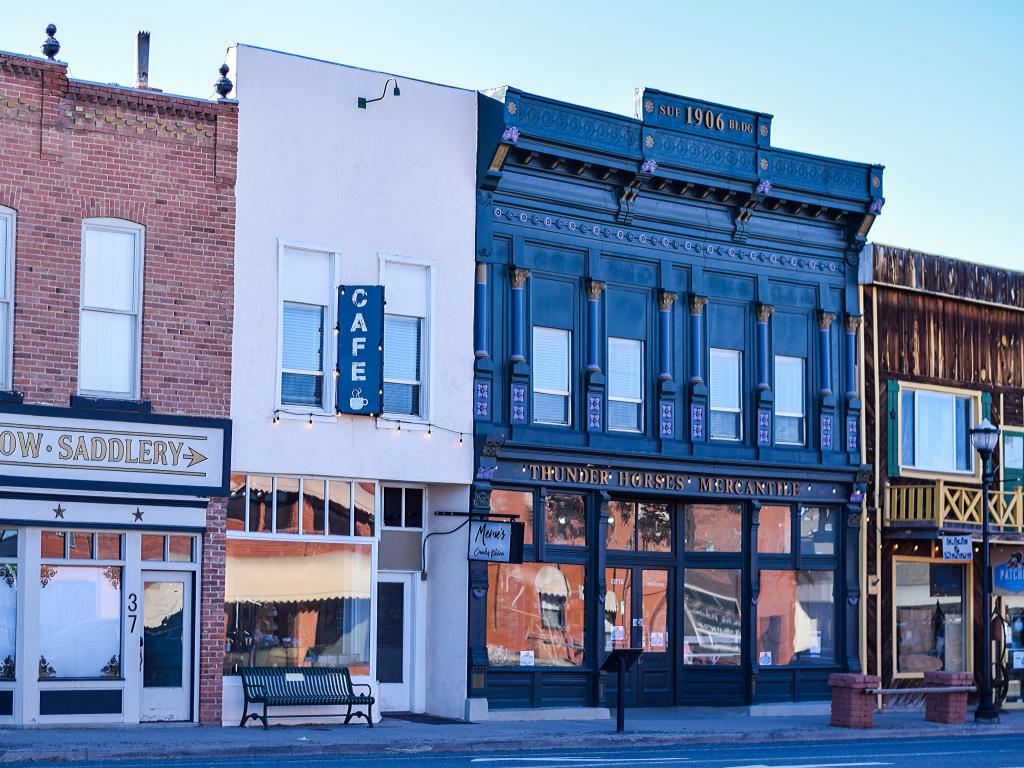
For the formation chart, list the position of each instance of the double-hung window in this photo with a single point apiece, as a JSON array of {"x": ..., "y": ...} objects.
[
  {"x": 551, "y": 387},
  {"x": 726, "y": 401},
  {"x": 789, "y": 400},
  {"x": 625, "y": 385},
  {"x": 307, "y": 288},
  {"x": 406, "y": 293},
  {"x": 111, "y": 316},
  {"x": 7, "y": 240},
  {"x": 935, "y": 431}
]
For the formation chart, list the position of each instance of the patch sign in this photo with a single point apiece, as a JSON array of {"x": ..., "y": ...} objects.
[{"x": 360, "y": 349}]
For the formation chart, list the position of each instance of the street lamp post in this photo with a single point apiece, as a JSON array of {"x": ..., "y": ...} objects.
[{"x": 984, "y": 438}]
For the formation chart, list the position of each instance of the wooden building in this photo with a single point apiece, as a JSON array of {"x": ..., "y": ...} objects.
[{"x": 943, "y": 349}]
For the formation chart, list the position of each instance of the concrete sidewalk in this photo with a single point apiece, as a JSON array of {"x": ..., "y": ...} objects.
[{"x": 643, "y": 727}]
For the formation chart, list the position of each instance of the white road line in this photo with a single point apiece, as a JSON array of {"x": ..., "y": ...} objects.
[
  {"x": 806, "y": 765},
  {"x": 589, "y": 760}
]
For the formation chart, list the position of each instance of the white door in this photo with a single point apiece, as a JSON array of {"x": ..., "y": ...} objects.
[
  {"x": 166, "y": 646},
  {"x": 394, "y": 641}
]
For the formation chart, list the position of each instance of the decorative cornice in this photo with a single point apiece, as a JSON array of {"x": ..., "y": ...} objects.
[
  {"x": 519, "y": 277},
  {"x": 665, "y": 300},
  {"x": 684, "y": 245},
  {"x": 764, "y": 312},
  {"x": 825, "y": 320},
  {"x": 853, "y": 323},
  {"x": 594, "y": 288},
  {"x": 697, "y": 304}
]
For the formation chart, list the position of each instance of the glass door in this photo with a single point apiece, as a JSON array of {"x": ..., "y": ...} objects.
[
  {"x": 166, "y": 646},
  {"x": 394, "y": 636}
]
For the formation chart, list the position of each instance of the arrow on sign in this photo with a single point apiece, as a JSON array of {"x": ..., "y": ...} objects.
[{"x": 194, "y": 457}]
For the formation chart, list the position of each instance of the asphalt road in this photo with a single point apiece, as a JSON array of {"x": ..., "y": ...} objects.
[{"x": 935, "y": 752}]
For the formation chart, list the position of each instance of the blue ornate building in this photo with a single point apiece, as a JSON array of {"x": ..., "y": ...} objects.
[{"x": 666, "y": 394}]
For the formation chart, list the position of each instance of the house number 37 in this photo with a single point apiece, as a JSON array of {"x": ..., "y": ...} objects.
[{"x": 133, "y": 607}]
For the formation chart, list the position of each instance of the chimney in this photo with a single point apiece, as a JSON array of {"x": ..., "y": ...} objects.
[{"x": 142, "y": 60}]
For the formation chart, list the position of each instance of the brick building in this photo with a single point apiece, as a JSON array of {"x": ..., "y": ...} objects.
[{"x": 117, "y": 223}]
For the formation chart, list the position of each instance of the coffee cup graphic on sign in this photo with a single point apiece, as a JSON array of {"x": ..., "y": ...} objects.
[{"x": 357, "y": 402}]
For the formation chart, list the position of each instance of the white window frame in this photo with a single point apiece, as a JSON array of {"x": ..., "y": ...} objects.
[
  {"x": 330, "y": 322},
  {"x": 403, "y": 487},
  {"x": 567, "y": 394},
  {"x": 739, "y": 395},
  {"x": 426, "y": 334},
  {"x": 974, "y": 398},
  {"x": 803, "y": 398},
  {"x": 636, "y": 401},
  {"x": 7, "y": 309},
  {"x": 139, "y": 231}
]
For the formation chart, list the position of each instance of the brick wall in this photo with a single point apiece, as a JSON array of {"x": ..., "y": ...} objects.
[{"x": 72, "y": 150}]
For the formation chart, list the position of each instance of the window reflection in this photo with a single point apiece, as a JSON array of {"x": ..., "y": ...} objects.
[
  {"x": 774, "y": 532},
  {"x": 817, "y": 531},
  {"x": 711, "y": 616},
  {"x": 713, "y": 528},
  {"x": 930, "y": 600},
  {"x": 618, "y": 607},
  {"x": 293, "y": 603},
  {"x": 535, "y": 614},
  {"x": 565, "y": 521},
  {"x": 795, "y": 617},
  {"x": 519, "y": 503}
]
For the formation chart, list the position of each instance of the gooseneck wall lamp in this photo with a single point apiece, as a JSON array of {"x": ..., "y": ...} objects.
[
  {"x": 362, "y": 102},
  {"x": 984, "y": 438}
]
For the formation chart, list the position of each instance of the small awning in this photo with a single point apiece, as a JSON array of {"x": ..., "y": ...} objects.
[{"x": 297, "y": 579}]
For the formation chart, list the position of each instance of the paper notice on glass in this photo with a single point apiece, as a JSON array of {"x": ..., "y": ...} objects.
[
  {"x": 1018, "y": 659},
  {"x": 618, "y": 633},
  {"x": 526, "y": 658},
  {"x": 815, "y": 648},
  {"x": 657, "y": 640},
  {"x": 764, "y": 658}
]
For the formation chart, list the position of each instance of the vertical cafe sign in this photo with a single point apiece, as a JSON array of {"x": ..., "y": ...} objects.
[{"x": 360, "y": 349}]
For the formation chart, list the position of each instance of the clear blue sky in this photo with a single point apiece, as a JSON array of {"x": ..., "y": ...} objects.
[{"x": 933, "y": 90}]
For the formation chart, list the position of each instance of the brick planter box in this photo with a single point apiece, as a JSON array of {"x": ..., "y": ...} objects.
[
  {"x": 946, "y": 707},
  {"x": 851, "y": 707}
]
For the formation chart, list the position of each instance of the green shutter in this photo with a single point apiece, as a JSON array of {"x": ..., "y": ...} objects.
[
  {"x": 986, "y": 405},
  {"x": 892, "y": 452}
]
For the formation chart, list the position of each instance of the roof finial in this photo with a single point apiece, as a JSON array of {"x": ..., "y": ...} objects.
[
  {"x": 224, "y": 85},
  {"x": 50, "y": 46}
]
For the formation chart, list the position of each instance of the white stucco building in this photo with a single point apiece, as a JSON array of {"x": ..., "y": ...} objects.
[{"x": 329, "y": 512}]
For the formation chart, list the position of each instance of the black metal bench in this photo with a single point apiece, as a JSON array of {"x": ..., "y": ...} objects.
[{"x": 302, "y": 686}]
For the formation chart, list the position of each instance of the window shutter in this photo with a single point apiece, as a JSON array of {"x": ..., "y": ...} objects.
[
  {"x": 893, "y": 444},
  {"x": 986, "y": 405}
]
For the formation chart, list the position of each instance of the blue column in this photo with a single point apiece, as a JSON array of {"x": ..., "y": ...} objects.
[
  {"x": 480, "y": 327},
  {"x": 594, "y": 288},
  {"x": 764, "y": 313},
  {"x": 665, "y": 301},
  {"x": 519, "y": 277},
  {"x": 825, "y": 351},
  {"x": 697, "y": 304},
  {"x": 852, "y": 325}
]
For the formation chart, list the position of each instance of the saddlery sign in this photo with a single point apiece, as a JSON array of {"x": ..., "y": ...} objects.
[{"x": 360, "y": 349}]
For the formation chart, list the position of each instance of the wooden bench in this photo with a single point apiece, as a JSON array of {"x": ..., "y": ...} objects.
[
  {"x": 303, "y": 686},
  {"x": 853, "y": 695}
]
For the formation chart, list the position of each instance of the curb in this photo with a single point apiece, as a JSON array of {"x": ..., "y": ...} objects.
[{"x": 548, "y": 742}]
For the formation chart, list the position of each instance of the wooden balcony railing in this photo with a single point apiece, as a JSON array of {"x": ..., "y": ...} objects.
[{"x": 942, "y": 504}]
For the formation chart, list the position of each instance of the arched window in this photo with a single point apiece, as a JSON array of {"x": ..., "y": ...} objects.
[{"x": 111, "y": 308}]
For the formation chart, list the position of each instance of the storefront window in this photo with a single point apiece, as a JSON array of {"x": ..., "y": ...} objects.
[
  {"x": 712, "y": 616},
  {"x": 774, "y": 532},
  {"x": 8, "y": 602},
  {"x": 618, "y": 607},
  {"x": 310, "y": 506},
  {"x": 654, "y": 603},
  {"x": 364, "y": 505},
  {"x": 287, "y": 505},
  {"x": 565, "y": 521},
  {"x": 261, "y": 503},
  {"x": 313, "y": 506},
  {"x": 519, "y": 503},
  {"x": 795, "y": 618},
  {"x": 714, "y": 528},
  {"x": 535, "y": 614},
  {"x": 643, "y": 526},
  {"x": 295, "y": 603},
  {"x": 236, "y": 503},
  {"x": 817, "y": 531},
  {"x": 930, "y": 603},
  {"x": 79, "y": 621}
]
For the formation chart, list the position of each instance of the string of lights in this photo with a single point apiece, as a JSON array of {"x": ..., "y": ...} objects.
[{"x": 430, "y": 426}]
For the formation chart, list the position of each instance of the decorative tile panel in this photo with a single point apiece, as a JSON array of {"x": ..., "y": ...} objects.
[
  {"x": 482, "y": 400},
  {"x": 852, "y": 434},
  {"x": 594, "y": 413},
  {"x": 518, "y": 402},
  {"x": 667, "y": 419},
  {"x": 764, "y": 426},
  {"x": 697, "y": 432},
  {"x": 826, "y": 432}
]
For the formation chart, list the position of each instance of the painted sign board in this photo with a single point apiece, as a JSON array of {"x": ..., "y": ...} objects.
[
  {"x": 75, "y": 448},
  {"x": 360, "y": 349},
  {"x": 704, "y": 118},
  {"x": 496, "y": 542},
  {"x": 957, "y": 548},
  {"x": 1008, "y": 577}
]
